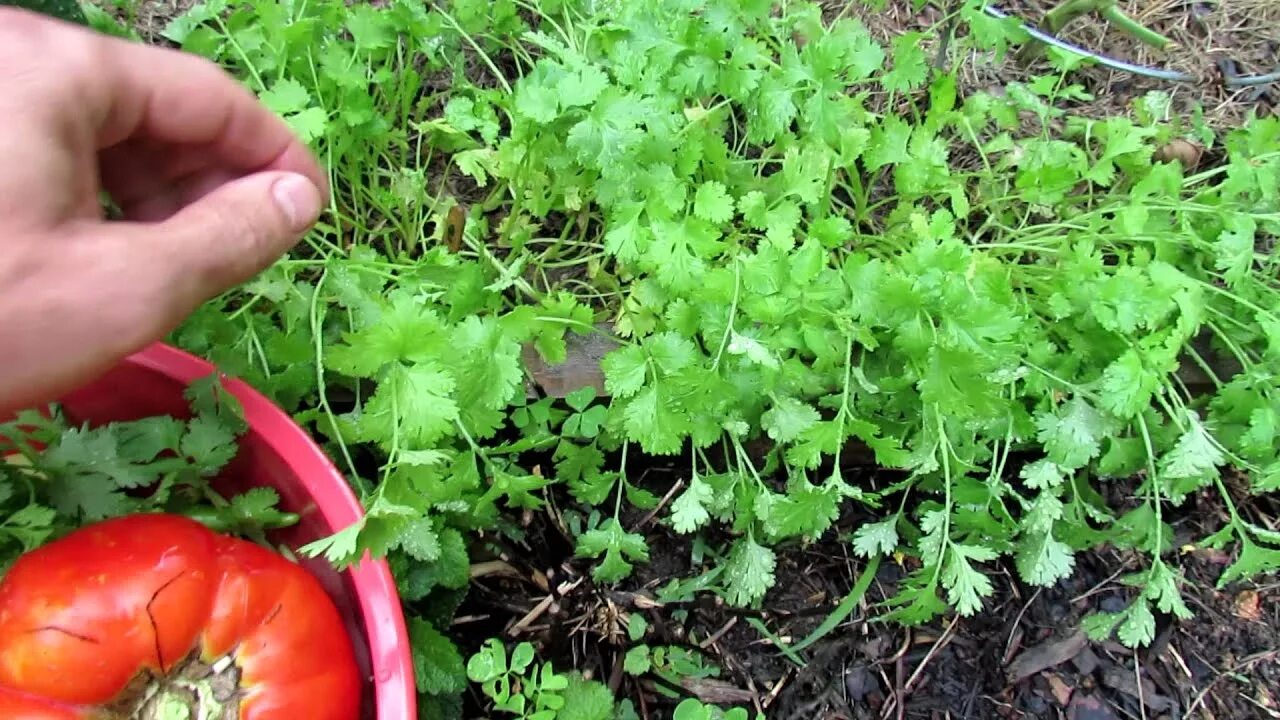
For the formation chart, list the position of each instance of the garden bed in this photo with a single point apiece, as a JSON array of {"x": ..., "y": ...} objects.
[{"x": 421, "y": 333}]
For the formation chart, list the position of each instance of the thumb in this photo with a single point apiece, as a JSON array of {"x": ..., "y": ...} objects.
[{"x": 237, "y": 230}]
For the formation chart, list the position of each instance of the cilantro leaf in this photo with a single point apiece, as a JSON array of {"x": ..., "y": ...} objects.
[
  {"x": 689, "y": 511},
  {"x": 966, "y": 586},
  {"x": 1138, "y": 626},
  {"x": 413, "y": 402},
  {"x": 806, "y": 510},
  {"x": 1127, "y": 386},
  {"x": 1194, "y": 455},
  {"x": 748, "y": 572},
  {"x": 713, "y": 203},
  {"x": 789, "y": 419},
  {"x": 877, "y": 538},
  {"x": 910, "y": 66},
  {"x": 1041, "y": 474},
  {"x": 1044, "y": 560},
  {"x": 1072, "y": 436},
  {"x": 657, "y": 423},
  {"x": 620, "y": 549},
  {"x": 625, "y": 371}
]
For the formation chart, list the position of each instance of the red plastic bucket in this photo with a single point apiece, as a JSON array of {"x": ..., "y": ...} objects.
[{"x": 276, "y": 452}]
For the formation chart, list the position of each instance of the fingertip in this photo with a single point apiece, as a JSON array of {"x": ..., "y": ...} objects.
[
  {"x": 298, "y": 158},
  {"x": 298, "y": 199}
]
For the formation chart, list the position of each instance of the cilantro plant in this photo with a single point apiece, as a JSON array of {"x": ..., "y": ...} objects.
[
  {"x": 791, "y": 237},
  {"x": 56, "y": 476}
]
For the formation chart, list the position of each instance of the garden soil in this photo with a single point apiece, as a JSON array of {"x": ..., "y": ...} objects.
[{"x": 1023, "y": 656}]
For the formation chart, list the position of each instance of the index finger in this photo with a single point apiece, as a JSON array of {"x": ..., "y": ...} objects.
[
  {"x": 171, "y": 96},
  {"x": 117, "y": 90}
]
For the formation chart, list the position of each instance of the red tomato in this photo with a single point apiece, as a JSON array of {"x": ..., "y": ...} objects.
[{"x": 160, "y": 607}]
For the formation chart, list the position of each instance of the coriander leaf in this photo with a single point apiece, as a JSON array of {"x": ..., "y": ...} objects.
[
  {"x": 413, "y": 401},
  {"x": 370, "y": 27},
  {"x": 822, "y": 438},
  {"x": 1138, "y": 628},
  {"x": 403, "y": 330},
  {"x": 625, "y": 371},
  {"x": 31, "y": 525},
  {"x": 865, "y": 56},
  {"x": 208, "y": 443},
  {"x": 87, "y": 496},
  {"x": 593, "y": 486},
  {"x": 877, "y": 538},
  {"x": 788, "y": 419},
  {"x": 910, "y": 67},
  {"x": 888, "y": 144},
  {"x": 491, "y": 358},
  {"x": 340, "y": 548},
  {"x": 143, "y": 440},
  {"x": 781, "y": 223},
  {"x": 755, "y": 351},
  {"x": 618, "y": 547},
  {"x": 1254, "y": 560},
  {"x": 688, "y": 511},
  {"x": 1099, "y": 626},
  {"x": 535, "y": 100},
  {"x": 582, "y": 87},
  {"x": 258, "y": 506},
  {"x": 671, "y": 352},
  {"x": 775, "y": 108},
  {"x": 1043, "y": 560},
  {"x": 1127, "y": 386},
  {"x": 92, "y": 455},
  {"x": 1073, "y": 435},
  {"x": 806, "y": 510},
  {"x": 655, "y": 422},
  {"x": 748, "y": 573},
  {"x": 1041, "y": 474},
  {"x": 1235, "y": 248},
  {"x": 286, "y": 96},
  {"x": 1162, "y": 588},
  {"x": 309, "y": 124},
  {"x": 1194, "y": 456},
  {"x": 965, "y": 585},
  {"x": 713, "y": 203},
  {"x": 754, "y": 207},
  {"x": 1268, "y": 478}
]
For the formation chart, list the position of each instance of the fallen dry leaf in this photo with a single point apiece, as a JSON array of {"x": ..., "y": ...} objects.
[
  {"x": 1046, "y": 655},
  {"x": 1246, "y": 605},
  {"x": 581, "y": 367},
  {"x": 1183, "y": 151},
  {"x": 1088, "y": 707},
  {"x": 1061, "y": 690}
]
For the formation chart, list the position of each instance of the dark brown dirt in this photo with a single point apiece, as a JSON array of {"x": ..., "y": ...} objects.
[{"x": 1224, "y": 663}]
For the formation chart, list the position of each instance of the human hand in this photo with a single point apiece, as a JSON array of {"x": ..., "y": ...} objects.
[{"x": 213, "y": 186}]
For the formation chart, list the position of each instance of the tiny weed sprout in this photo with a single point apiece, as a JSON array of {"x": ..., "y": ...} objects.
[{"x": 669, "y": 343}]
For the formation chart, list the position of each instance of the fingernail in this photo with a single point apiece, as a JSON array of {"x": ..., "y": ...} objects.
[{"x": 298, "y": 199}]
